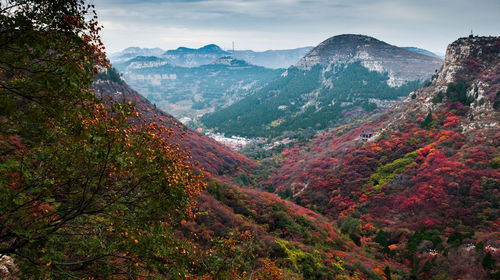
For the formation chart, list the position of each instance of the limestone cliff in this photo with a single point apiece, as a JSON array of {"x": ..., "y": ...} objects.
[
  {"x": 400, "y": 64},
  {"x": 472, "y": 67}
]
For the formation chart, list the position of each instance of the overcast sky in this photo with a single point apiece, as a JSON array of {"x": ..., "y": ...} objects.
[{"x": 285, "y": 24}]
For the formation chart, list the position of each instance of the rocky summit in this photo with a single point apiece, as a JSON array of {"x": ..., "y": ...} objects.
[
  {"x": 469, "y": 77},
  {"x": 400, "y": 64}
]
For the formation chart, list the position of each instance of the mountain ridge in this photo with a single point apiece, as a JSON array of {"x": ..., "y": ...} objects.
[
  {"x": 423, "y": 51},
  {"x": 193, "y": 57},
  {"x": 343, "y": 79},
  {"x": 211, "y": 48}
]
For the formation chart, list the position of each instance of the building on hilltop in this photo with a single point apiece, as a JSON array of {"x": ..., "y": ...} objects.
[{"x": 366, "y": 134}]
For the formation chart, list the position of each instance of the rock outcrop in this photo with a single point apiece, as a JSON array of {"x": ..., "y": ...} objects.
[
  {"x": 474, "y": 64},
  {"x": 7, "y": 268},
  {"x": 467, "y": 56}
]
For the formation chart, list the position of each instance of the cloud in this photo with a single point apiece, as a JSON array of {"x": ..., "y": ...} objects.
[{"x": 266, "y": 24}]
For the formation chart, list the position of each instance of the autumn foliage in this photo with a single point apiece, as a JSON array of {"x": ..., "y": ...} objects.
[
  {"x": 425, "y": 187},
  {"x": 96, "y": 183},
  {"x": 89, "y": 187}
]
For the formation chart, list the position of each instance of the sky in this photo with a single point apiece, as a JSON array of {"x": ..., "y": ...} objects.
[{"x": 285, "y": 24}]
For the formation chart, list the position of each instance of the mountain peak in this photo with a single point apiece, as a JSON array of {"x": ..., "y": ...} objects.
[
  {"x": 346, "y": 47},
  {"x": 339, "y": 46},
  {"x": 400, "y": 64},
  {"x": 211, "y": 47},
  {"x": 208, "y": 49},
  {"x": 347, "y": 40},
  {"x": 465, "y": 55},
  {"x": 352, "y": 38}
]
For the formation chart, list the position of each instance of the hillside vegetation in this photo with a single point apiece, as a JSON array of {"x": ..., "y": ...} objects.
[
  {"x": 425, "y": 184},
  {"x": 97, "y": 183},
  {"x": 342, "y": 80},
  {"x": 298, "y": 100}
]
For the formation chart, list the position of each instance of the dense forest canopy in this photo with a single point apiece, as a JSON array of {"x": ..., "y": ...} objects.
[{"x": 89, "y": 187}]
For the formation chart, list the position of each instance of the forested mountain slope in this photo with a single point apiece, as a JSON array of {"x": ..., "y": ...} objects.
[
  {"x": 343, "y": 79},
  {"x": 423, "y": 180}
]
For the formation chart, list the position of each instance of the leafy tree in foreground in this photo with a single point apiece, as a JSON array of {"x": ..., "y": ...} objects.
[{"x": 88, "y": 187}]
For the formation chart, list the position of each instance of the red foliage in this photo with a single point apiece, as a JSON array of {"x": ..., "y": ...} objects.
[
  {"x": 434, "y": 190},
  {"x": 451, "y": 121}
]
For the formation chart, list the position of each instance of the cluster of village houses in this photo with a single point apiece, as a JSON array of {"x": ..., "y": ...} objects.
[{"x": 237, "y": 142}]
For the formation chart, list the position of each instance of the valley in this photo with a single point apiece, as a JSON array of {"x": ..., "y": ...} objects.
[
  {"x": 351, "y": 159},
  {"x": 383, "y": 169},
  {"x": 190, "y": 92}
]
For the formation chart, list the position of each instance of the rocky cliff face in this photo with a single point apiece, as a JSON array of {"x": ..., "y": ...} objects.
[
  {"x": 472, "y": 67},
  {"x": 400, "y": 64},
  {"x": 467, "y": 57}
]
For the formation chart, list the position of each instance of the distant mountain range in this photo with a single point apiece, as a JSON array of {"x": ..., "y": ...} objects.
[
  {"x": 187, "y": 57},
  {"x": 187, "y": 92},
  {"x": 343, "y": 78},
  {"x": 190, "y": 82},
  {"x": 422, "y": 51}
]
